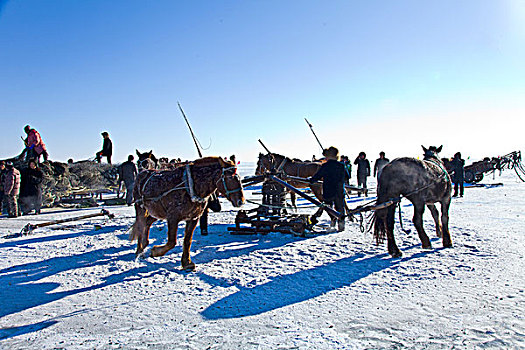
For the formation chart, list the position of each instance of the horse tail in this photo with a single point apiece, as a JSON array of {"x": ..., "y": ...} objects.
[{"x": 384, "y": 218}]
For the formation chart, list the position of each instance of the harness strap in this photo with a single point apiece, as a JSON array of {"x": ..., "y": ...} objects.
[
  {"x": 280, "y": 167},
  {"x": 188, "y": 180},
  {"x": 223, "y": 178}
]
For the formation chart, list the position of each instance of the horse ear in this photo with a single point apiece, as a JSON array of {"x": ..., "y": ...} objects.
[
  {"x": 138, "y": 153},
  {"x": 438, "y": 150},
  {"x": 424, "y": 149},
  {"x": 222, "y": 162}
]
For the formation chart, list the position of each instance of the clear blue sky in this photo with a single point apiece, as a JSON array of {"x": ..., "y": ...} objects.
[{"x": 370, "y": 75}]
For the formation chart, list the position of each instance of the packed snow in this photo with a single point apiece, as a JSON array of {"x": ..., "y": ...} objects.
[{"x": 79, "y": 286}]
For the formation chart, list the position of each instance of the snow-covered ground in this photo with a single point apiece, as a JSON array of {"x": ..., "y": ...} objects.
[{"x": 78, "y": 286}]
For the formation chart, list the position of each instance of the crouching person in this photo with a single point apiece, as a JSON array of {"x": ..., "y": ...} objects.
[
  {"x": 333, "y": 174},
  {"x": 31, "y": 188},
  {"x": 11, "y": 182}
]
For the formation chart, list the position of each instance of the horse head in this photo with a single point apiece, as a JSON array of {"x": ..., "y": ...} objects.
[
  {"x": 146, "y": 160},
  {"x": 432, "y": 152},
  {"x": 267, "y": 162},
  {"x": 229, "y": 184}
]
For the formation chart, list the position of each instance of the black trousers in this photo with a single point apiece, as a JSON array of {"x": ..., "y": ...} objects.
[{"x": 461, "y": 186}]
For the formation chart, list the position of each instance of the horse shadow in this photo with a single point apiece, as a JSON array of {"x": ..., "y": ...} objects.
[
  {"x": 294, "y": 288},
  {"x": 19, "y": 284},
  {"x": 219, "y": 244},
  {"x": 45, "y": 238}
]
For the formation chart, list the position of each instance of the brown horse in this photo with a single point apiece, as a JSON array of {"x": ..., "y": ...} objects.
[
  {"x": 291, "y": 167},
  {"x": 423, "y": 182},
  {"x": 181, "y": 194}
]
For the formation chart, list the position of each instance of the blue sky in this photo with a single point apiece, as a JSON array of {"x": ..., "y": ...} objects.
[{"x": 370, "y": 75}]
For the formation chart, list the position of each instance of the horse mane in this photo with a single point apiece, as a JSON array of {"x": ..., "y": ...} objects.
[{"x": 207, "y": 161}]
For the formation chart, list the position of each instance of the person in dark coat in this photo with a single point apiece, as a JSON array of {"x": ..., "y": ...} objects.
[
  {"x": 333, "y": 174},
  {"x": 107, "y": 148},
  {"x": 458, "y": 177},
  {"x": 348, "y": 169},
  {"x": 127, "y": 172},
  {"x": 11, "y": 184},
  {"x": 2, "y": 197},
  {"x": 363, "y": 170},
  {"x": 31, "y": 188},
  {"x": 380, "y": 164}
]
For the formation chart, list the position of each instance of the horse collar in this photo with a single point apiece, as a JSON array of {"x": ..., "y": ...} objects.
[
  {"x": 445, "y": 172},
  {"x": 188, "y": 180}
]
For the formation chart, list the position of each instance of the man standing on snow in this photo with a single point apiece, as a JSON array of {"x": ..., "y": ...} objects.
[
  {"x": 380, "y": 164},
  {"x": 107, "y": 148},
  {"x": 458, "y": 177},
  {"x": 34, "y": 145},
  {"x": 333, "y": 174},
  {"x": 127, "y": 172},
  {"x": 363, "y": 171}
]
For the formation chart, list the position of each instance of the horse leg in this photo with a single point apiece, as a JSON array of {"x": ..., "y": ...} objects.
[
  {"x": 445, "y": 205},
  {"x": 419, "y": 209},
  {"x": 186, "y": 262},
  {"x": 160, "y": 250},
  {"x": 393, "y": 249},
  {"x": 140, "y": 229},
  {"x": 293, "y": 198},
  {"x": 143, "y": 239},
  {"x": 435, "y": 216}
]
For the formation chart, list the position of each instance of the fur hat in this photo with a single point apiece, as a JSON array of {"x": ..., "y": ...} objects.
[{"x": 331, "y": 152}]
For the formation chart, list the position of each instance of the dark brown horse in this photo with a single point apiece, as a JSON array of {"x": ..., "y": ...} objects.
[
  {"x": 423, "y": 182},
  {"x": 291, "y": 167},
  {"x": 181, "y": 194}
]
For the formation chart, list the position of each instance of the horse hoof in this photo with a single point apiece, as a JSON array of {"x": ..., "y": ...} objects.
[
  {"x": 448, "y": 245},
  {"x": 189, "y": 267},
  {"x": 397, "y": 254},
  {"x": 155, "y": 251},
  {"x": 427, "y": 246}
]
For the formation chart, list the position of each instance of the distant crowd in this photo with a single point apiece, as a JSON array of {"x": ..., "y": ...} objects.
[{"x": 21, "y": 190}]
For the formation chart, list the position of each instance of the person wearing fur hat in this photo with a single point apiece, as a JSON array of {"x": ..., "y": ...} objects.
[
  {"x": 333, "y": 174},
  {"x": 107, "y": 148}
]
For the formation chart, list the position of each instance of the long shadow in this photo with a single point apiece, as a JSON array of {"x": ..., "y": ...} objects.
[
  {"x": 213, "y": 246},
  {"x": 300, "y": 286},
  {"x": 41, "y": 239}
]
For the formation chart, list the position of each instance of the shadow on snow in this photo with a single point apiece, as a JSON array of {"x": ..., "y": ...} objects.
[{"x": 301, "y": 286}]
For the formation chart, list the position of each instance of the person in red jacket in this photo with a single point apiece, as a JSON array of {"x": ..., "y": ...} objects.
[
  {"x": 11, "y": 184},
  {"x": 34, "y": 144}
]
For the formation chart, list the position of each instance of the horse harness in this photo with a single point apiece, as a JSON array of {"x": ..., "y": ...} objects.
[{"x": 187, "y": 184}]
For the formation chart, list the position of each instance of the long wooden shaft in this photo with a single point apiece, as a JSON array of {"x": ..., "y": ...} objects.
[
  {"x": 264, "y": 146},
  {"x": 313, "y": 132},
  {"x": 54, "y": 222},
  {"x": 191, "y": 131},
  {"x": 307, "y": 197}
]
